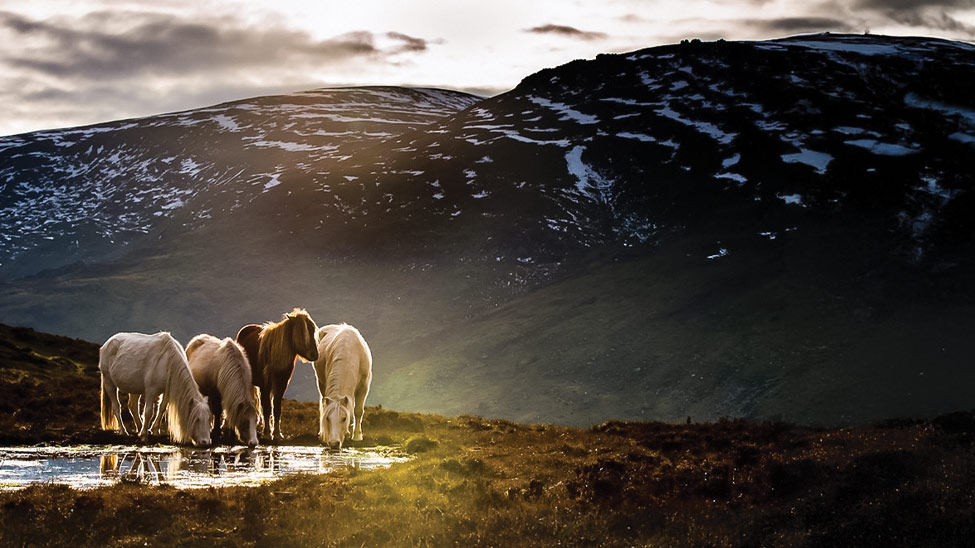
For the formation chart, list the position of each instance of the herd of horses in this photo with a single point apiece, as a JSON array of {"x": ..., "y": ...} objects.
[{"x": 215, "y": 384}]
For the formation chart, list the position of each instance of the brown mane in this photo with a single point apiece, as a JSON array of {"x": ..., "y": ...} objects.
[
  {"x": 272, "y": 349},
  {"x": 278, "y": 342}
]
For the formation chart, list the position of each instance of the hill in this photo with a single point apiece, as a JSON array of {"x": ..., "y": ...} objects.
[{"x": 777, "y": 229}]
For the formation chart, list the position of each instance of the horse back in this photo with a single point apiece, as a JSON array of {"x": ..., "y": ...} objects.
[
  {"x": 348, "y": 360},
  {"x": 107, "y": 352},
  {"x": 249, "y": 338},
  {"x": 133, "y": 359},
  {"x": 200, "y": 354}
]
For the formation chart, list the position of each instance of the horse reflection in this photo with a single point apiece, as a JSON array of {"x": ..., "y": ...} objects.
[
  {"x": 268, "y": 461},
  {"x": 189, "y": 468},
  {"x": 143, "y": 467},
  {"x": 329, "y": 461},
  {"x": 192, "y": 462},
  {"x": 241, "y": 459}
]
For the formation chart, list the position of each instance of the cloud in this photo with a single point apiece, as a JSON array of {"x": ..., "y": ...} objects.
[
  {"x": 409, "y": 43},
  {"x": 802, "y": 24},
  {"x": 105, "y": 65},
  {"x": 907, "y": 5},
  {"x": 933, "y": 20},
  {"x": 121, "y": 45},
  {"x": 796, "y": 25},
  {"x": 566, "y": 31},
  {"x": 925, "y": 14}
]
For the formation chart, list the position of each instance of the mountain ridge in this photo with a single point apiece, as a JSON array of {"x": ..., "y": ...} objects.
[{"x": 804, "y": 205}]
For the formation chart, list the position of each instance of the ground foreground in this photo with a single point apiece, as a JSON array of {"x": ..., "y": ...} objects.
[{"x": 478, "y": 482}]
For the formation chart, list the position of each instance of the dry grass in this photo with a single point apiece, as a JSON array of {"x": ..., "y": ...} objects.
[{"x": 478, "y": 482}]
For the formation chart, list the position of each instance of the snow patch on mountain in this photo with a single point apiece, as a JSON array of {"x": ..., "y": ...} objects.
[
  {"x": 566, "y": 111},
  {"x": 588, "y": 181},
  {"x": 883, "y": 149},
  {"x": 818, "y": 160}
]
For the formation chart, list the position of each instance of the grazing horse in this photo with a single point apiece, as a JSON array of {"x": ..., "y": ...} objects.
[
  {"x": 152, "y": 365},
  {"x": 344, "y": 372},
  {"x": 223, "y": 374},
  {"x": 272, "y": 349}
]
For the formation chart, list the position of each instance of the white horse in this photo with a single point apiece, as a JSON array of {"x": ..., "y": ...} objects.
[
  {"x": 344, "y": 372},
  {"x": 152, "y": 365},
  {"x": 222, "y": 372}
]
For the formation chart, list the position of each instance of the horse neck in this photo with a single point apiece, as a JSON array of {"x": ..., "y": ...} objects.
[
  {"x": 342, "y": 375},
  {"x": 182, "y": 390},
  {"x": 275, "y": 344},
  {"x": 233, "y": 383}
]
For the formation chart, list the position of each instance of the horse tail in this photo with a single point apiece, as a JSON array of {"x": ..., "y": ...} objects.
[
  {"x": 108, "y": 417},
  {"x": 105, "y": 355}
]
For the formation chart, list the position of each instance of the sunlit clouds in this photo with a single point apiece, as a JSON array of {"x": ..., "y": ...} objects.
[{"x": 70, "y": 63}]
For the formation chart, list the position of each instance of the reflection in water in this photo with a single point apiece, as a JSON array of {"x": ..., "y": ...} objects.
[{"x": 91, "y": 466}]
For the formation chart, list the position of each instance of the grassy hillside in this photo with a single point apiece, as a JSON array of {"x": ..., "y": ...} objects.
[
  {"x": 479, "y": 482},
  {"x": 48, "y": 386},
  {"x": 766, "y": 332},
  {"x": 800, "y": 328}
]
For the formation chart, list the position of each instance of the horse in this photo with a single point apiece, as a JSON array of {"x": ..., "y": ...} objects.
[
  {"x": 272, "y": 349},
  {"x": 222, "y": 372},
  {"x": 150, "y": 365},
  {"x": 344, "y": 373}
]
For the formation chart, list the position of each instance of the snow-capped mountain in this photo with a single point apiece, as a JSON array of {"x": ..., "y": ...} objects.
[
  {"x": 725, "y": 228},
  {"x": 76, "y": 194}
]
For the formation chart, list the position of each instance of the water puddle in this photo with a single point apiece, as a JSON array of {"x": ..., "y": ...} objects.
[{"x": 88, "y": 466}]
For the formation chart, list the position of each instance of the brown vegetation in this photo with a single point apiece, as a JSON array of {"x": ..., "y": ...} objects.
[{"x": 478, "y": 482}]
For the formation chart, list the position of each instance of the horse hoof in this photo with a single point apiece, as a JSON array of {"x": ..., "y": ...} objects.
[{"x": 357, "y": 437}]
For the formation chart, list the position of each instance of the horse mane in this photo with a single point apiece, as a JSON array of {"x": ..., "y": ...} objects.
[
  {"x": 182, "y": 391},
  {"x": 276, "y": 342},
  {"x": 234, "y": 381},
  {"x": 345, "y": 343}
]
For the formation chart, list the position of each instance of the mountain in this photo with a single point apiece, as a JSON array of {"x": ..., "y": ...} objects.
[{"x": 763, "y": 229}]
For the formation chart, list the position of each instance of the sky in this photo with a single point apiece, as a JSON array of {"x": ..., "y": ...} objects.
[{"x": 73, "y": 62}]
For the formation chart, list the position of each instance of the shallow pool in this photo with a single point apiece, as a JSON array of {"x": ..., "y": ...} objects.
[{"x": 87, "y": 466}]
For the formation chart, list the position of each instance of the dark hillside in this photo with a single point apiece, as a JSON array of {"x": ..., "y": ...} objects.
[{"x": 752, "y": 229}]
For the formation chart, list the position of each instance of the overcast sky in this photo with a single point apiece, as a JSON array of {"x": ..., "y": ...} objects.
[{"x": 66, "y": 63}]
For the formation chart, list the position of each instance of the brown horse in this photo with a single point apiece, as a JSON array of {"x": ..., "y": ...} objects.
[{"x": 272, "y": 349}]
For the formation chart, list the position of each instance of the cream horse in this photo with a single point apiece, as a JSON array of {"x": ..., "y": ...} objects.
[
  {"x": 223, "y": 374},
  {"x": 152, "y": 365},
  {"x": 344, "y": 372}
]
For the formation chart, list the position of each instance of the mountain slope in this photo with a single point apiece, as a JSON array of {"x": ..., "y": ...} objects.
[
  {"x": 87, "y": 193},
  {"x": 779, "y": 228}
]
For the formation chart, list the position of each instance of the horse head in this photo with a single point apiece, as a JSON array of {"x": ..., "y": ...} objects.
[
  {"x": 201, "y": 420},
  {"x": 336, "y": 421},
  {"x": 303, "y": 330},
  {"x": 246, "y": 427}
]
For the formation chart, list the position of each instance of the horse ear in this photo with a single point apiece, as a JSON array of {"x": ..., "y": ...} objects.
[
  {"x": 329, "y": 401},
  {"x": 347, "y": 400}
]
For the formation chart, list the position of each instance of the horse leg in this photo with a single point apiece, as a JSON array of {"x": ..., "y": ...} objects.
[
  {"x": 256, "y": 394},
  {"x": 147, "y": 412},
  {"x": 360, "y": 408},
  {"x": 157, "y": 422},
  {"x": 216, "y": 407},
  {"x": 277, "y": 394},
  {"x": 266, "y": 411},
  {"x": 116, "y": 404},
  {"x": 134, "y": 410}
]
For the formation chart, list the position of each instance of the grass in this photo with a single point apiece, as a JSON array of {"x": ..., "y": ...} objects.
[{"x": 479, "y": 482}]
